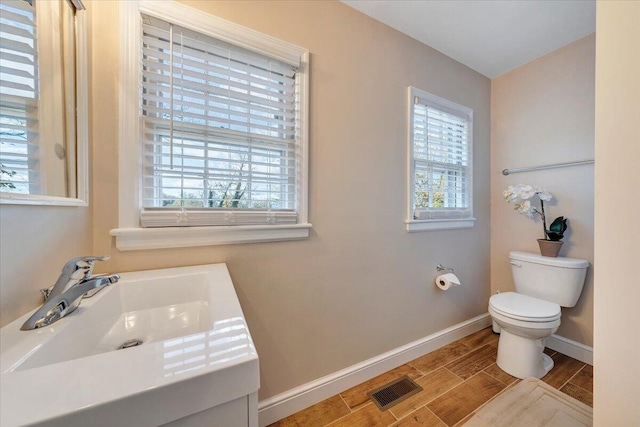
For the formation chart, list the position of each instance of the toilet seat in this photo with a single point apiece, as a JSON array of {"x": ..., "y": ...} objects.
[{"x": 524, "y": 308}]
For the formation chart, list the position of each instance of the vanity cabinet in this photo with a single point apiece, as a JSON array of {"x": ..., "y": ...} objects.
[{"x": 241, "y": 412}]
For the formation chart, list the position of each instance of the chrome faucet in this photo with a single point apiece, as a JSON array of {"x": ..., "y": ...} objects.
[
  {"x": 74, "y": 271},
  {"x": 64, "y": 297}
]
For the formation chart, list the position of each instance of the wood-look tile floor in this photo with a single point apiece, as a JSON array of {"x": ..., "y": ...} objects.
[{"x": 457, "y": 380}]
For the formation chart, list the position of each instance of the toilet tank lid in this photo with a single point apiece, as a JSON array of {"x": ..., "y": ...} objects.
[{"x": 545, "y": 260}]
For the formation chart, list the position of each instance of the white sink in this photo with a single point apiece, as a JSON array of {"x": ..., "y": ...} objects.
[{"x": 196, "y": 353}]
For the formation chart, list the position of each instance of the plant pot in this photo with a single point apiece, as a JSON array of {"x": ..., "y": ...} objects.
[{"x": 549, "y": 248}]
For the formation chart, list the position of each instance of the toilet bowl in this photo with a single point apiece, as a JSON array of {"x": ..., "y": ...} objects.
[
  {"x": 524, "y": 323},
  {"x": 525, "y": 318}
]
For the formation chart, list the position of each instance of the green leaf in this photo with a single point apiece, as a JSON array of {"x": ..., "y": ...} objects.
[
  {"x": 559, "y": 225},
  {"x": 557, "y": 229}
]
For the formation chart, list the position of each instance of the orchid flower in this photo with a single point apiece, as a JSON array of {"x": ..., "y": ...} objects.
[
  {"x": 527, "y": 192},
  {"x": 521, "y": 194},
  {"x": 511, "y": 193}
]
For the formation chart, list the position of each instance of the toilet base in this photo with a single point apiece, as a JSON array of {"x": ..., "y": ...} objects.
[
  {"x": 495, "y": 327},
  {"x": 522, "y": 357},
  {"x": 547, "y": 361}
]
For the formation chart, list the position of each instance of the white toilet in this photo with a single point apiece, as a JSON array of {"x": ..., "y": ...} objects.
[{"x": 526, "y": 317}]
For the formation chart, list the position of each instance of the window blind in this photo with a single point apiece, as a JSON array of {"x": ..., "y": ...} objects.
[
  {"x": 441, "y": 157},
  {"x": 18, "y": 98},
  {"x": 218, "y": 132}
]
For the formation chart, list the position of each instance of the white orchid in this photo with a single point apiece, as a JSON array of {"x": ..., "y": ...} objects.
[
  {"x": 521, "y": 195},
  {"x": 544, "y": 195},
  {"x": 525, "y": 208},
  {"x": 511, "y": 193},
  {"x": 527, "y": 192}
]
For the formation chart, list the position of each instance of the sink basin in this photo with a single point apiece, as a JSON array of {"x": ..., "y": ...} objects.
[
  {"x": 136, "y": 308},
  {"x": 156, "y": 347}
]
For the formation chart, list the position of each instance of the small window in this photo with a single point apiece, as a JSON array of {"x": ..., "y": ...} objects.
[{"x": 440, "y": 177}]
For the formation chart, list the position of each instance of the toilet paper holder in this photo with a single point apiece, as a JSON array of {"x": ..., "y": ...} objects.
[{"x": 441, "y": 267}]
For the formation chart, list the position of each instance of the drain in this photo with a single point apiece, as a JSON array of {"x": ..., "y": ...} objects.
[
  {"x": 130, "y": 343},
  {"x": 394, "y": 393}
]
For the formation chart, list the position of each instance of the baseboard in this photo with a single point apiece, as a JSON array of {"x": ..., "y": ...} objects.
[
  {"x": 282, "y": 405},
  {"x": 570, "y": 348}
]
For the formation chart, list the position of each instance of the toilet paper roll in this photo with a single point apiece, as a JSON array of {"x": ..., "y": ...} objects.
[{"x": 445, "y": 281}]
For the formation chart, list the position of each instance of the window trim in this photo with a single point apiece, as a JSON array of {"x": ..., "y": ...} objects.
[
  {"x": 129, "y": 235},
  {"x": 414, "y": 225}
]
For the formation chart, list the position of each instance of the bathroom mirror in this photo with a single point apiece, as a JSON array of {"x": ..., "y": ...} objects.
[{"x": 43, "y": 102}]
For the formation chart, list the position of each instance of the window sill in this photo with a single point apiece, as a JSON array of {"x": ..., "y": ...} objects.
[
  {"x": 131, "y": 239},
  {"x": 438, "y": 224},
  {"x": 39, "y": 200}
]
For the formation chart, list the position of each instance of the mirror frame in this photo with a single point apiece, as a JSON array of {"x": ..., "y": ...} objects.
[{"x": 82, "y": 129}]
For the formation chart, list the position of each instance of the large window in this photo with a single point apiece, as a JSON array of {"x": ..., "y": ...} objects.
[
  {"x": 220, "y": 131},
  {"x": 440, "y": 147}
]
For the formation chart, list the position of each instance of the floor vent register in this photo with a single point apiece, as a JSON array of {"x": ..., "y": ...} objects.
[{"x": 393, "y": 393}]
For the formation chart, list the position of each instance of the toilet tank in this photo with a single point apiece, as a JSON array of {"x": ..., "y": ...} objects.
[{"x": 558, "y": 280}]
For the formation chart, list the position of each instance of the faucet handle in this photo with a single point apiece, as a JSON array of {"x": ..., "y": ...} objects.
[
  {"x": 74, "y": 271},
  {"x": 81, "y": 267}
]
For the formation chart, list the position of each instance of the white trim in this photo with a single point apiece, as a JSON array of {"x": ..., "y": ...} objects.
[
  {"x": 570, "y": 348},
  {"x": 443, "y": 104},
  {"x": 39, "y": 200},
  {"x": 221, "y": 29},
  {"x": 129, "y": 236},
  {"x": 129, "y": 162},
  {"x": 303, "y": 122},
  {"x": 414, "y": 225},
  {"x": 129, "y": 239},
  {"x": 282, "y": 405},
  {"x": 82, "y": 109}
]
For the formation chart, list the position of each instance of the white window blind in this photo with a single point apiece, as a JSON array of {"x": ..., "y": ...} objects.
[
  {"x": 19, "y": 154},
  {"x": 441, "y": 155},
  {"x": 219, "y": 132}
]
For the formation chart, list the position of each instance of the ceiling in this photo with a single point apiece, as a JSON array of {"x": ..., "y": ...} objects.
[{"x": 489, "y": 36}]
